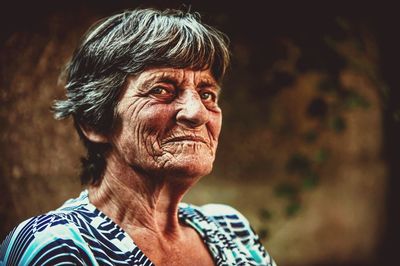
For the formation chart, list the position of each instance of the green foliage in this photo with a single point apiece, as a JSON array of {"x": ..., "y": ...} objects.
[
  {"x": 293, "y": 208},
  {"x": 355, "y": 100},
  {"x": 338, "y": 124},
  {"x": 343, "y": 24},
  {"x": 310, "y": 136},
  {"x": 327, "y": 109},
  {"x": 317, "y": 108},
  {"x": 321, "y": 156},
  {"x": 329, "y": 85},
  {"x": 263, "y": 233},
  {"x": 286, "y": 190},
  {"x": 265, "y": 214},
  {"x": 281, "y": 80},
  {"x": 310, "y": 181},
  {"x": 298, "y": 164}
]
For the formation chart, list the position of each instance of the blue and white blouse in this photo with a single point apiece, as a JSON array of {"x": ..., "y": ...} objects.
[{"x": 79, "y": 234}]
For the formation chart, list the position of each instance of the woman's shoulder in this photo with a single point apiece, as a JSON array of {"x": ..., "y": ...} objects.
[
  {"x": 216, "y": 210},
  {"x": 228, "y": 218},
  {"x": 37, "y": 237},
  {"x": 46, "y": 223},
  {"x": 221, "y": 212},
  {"x": 42, "y": 236},
  {"x": 232, "y": 220},
  {"x": 63, "y": 222},
  {"x": 228, "y": 221}
]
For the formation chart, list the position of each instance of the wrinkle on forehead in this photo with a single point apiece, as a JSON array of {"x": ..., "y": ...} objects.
[{"x": 183, "y": 77}]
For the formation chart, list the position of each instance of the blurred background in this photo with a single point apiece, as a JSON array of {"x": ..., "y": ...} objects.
[{"x": 308, "y": 150}]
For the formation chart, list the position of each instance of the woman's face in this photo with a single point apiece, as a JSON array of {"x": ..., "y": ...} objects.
[{"x": 168, "y": 122}]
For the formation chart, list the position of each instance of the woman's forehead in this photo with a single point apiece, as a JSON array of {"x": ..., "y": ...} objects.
[{"x": 177, "y": 75}]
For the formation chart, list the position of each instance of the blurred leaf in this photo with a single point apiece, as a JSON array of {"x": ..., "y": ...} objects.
[
  {"x": 354, "y": 100},
  {"x": 293, "y": 208},
  {"x": 329, "y": 41},
  {"x": 282, "y": 79},
  {"x": 310, "y": 136},
  {"x": 298, "y": 164},
  {"x": 320, "y": 55},
  {"x": 310, "y": 181},
  {"x": 338, "y": 124},
  {"x": 329, "y": 85},
  {"x": 265, "y": 214},
  {"x": 321, "y": 156},
  {"x": 359, "y": 44},
  {"x": 317, "y": 108},
  {"x": 286, "y": 190},
  {"x": 263, "y": 233},
  {"x": 343, "y": 23},
  {"x": 286, "y": 130}
]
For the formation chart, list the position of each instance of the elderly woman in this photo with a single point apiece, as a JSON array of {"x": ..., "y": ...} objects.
[{"x": 143, "y": 90}]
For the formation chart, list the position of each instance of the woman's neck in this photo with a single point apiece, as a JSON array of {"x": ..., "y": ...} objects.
[{"x": 140, "y": 204}]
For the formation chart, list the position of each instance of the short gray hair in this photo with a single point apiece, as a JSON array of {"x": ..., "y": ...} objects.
[{"x": 127, "y": 44}]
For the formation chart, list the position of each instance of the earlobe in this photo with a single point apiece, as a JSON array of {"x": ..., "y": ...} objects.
[{"x": 93, "y": 135}]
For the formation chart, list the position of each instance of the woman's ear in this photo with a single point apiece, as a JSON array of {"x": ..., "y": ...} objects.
[{"x": 93, "y": 135}]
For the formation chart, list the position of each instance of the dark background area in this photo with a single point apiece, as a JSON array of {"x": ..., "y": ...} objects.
[{"x": 256, "y": 27}]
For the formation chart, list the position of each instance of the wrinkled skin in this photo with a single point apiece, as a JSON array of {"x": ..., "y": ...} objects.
[
  {"x": 169, "y": 122},
  {"x": 164, "y": 140}
]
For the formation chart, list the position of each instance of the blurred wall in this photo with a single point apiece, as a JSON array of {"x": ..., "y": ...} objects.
[{"x": 301, "y": 152}]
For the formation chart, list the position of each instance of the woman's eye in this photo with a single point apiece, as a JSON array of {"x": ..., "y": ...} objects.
[
  {"x": 162, "y": 93},
  {"x": 159, "y": 91},
  {"x": 208, "y": 96}
]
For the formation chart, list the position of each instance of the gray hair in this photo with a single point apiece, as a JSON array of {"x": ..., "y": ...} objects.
[{"x": 127, "y": 44}]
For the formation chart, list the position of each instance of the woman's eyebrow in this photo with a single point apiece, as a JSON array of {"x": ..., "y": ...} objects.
[
  {"x": 164, "y": 78},
  {"x": 206, "y": 83},
  {"x": 209, "y": 84},
  {"x": 168, "y": 79},
  {"x": 173, "y": 80}
]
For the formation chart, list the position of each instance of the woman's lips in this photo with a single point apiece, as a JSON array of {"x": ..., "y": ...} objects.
[{"x": 186, "y": 138}]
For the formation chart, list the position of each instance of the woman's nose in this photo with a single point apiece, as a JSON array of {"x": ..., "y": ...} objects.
[{"x": 192, "y": 113}]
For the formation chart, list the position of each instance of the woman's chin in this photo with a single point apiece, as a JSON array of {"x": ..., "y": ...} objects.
[
  {"x": 191, "y": 155},
  {"x": 189, "y": 166}
]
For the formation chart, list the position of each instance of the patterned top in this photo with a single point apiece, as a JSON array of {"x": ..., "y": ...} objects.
[{"x": 79, "y": 234}]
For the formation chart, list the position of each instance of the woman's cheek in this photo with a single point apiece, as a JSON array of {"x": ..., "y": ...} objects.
[{"x": 214, "y": 126}]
